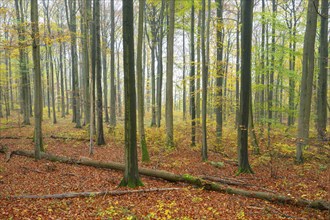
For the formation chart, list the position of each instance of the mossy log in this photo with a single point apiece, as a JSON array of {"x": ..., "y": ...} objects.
[{"x": 185, "y": 178}]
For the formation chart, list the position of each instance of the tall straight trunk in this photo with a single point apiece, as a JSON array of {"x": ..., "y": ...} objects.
[
  {"x": 169, "y": 76},
  {"x": 198, "y": 73},
  {"x": 112, "y": 69},
  {"x": 219, "y": 77},
  {"x": 160, "y": 65},
  {"x": 143, "y": 143},
  {"x": 306, "y": 88},
  {"x": 52, "y": 89},
  {"x": 66, "y": 82},
  {"x": 22, "y": 63},
  {"x": 98, "y": 71},
  {"x": 105, "y": 78},
  {"x": 50, "y": 62},
  {"x": 238, "y": 53},
  {"x": 204, "y": 86},
  {"x": 246, "y": 42},
  {"x": 86, "y": 17},
  {"x": 271, "y": 75},
  {"x": 192, "y": 75},
  {"x": 37, "y": 80},
  {"x": 47, "y": 84},
  {"x": 62, "y": 81},
  {"x": 263, "y": 38},
  {"x": 118, "y": 85},
  {"x": 131, "y": 176},
  {"x": 321, "y": 122},
  {"x": 184, "y": 73},
  {"x": 71, "y": 17}
]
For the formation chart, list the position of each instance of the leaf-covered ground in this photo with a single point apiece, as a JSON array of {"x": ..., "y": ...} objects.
[{"x": 274, "y": 169}]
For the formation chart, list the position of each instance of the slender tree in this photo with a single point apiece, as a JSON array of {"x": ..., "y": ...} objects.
[
  {"x": 112, "y": 68},
  {"x": 192, "y": 75},
  {"x": 71, "y": 7},
  {"x": 131, "y": 176},
  {"x": 169, "y": 75},
  {"x": 204, "y": 86},
  {"x": 24, "y": 71},
  {"x": 98, "y": 71},
  {"x": 306, "y": 87},
  {"x": 219, "y": 78},
  {"x": 37, "y": 80},
  {"x": 322, "y": 79},
  {"x": 246, "y": 43},
  {"x": 143, "y": 143}
]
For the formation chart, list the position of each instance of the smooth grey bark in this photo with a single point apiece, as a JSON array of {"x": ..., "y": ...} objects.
[
  {"x": 85, "y": 40},
  {"x": 160, "y": 65},
  {"x": 306, "y": 88},
  {"x": 105, "y": 76},
  {"x": 198, "y": 70},
  {"x": 119, "y": 111},
  {"x": 50, "y": 61},
  {"x": 112, "y": 69},
  {"x": 321, "y": 122},
  {"x": 140, "y": 95},
  {"x": 169, "y": 75},
  {"x": 72, "y": 23},
  {"x": 38, "y": 146},
  {"x": 24, "y": 71},
  {"x": 219, "y": 68},
  {"x": 131, "y": 176},
  {"x": 184, "y": 104},
  {"x": 238, "y": 53},
  {"x": 246, "y": 43},
  {"x": 192, "y": 75},
  {"x": 204, "y": 86},
  {"x": 98, "y": 73},
  {"x": 271, "y": 75}
]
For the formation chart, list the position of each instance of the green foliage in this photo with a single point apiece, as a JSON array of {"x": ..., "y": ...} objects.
[
  {"x": 217, "y": 164},
  {"x": 114, "y": 211}
]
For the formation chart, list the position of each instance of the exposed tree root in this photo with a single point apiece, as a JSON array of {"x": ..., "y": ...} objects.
[
  {"x": 208, "y": 185},
  {"x": 92, "y": 194}
]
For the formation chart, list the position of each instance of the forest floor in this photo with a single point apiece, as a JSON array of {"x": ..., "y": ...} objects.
[{"x": 275, "y": 171}]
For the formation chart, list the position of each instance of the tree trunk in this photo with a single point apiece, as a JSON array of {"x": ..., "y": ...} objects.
[
  {"x": 321, "y": 124},
  {"x": 140, "y": 95},
  {"x": 160, "y": 65},
  {"x": 131, "y": 176},
  {"x": 192, "y": 75},
  {"x": 105, "y": 77},
  {"x": 219, "y": 68},
  {"x": 98, "y": 70},
  {"x": 37, "y": 80},
  {"x": 204, "y": 86},
  {"x": 306, "y": 88},
  {"x": 112, "y": 69},
  {"x": 246, "y": 40},
  {"x": 24, "y": 71},
  {"x": 169, "y": 76}
]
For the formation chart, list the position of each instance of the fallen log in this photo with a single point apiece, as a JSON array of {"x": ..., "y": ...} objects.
[
  {"x": 186, "y": 178},
  {"x": 92, "y": 194}
]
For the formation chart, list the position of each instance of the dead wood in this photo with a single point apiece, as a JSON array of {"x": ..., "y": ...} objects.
[
  {"x": 92, "y": 194},
  {"x": 225, "y": 181},
  {"x": 68, "y": 138},
  {"x": 186, "y": 178}
]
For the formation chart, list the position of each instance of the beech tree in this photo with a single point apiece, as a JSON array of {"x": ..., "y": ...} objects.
[
  {"x": 306, "y": 88},
  {"x": 37, "y": 80},
  {"x": 246, "y": 44},
  {"x": 169, "y": 75},
  {"x": 131, "y": 176},
  {"x": 322, "y": 77}
]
